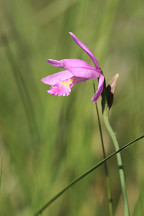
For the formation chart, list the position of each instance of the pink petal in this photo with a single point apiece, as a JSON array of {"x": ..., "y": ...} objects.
[
  {"x": 60, "y": 90},
  {"x": 68, "y": 63},
  {"x": 100, "y": 88},
  {"x": 55, "y": 63},
  {"x": 78, "y": 67},
  {"x": 85, "y": 48},
  {"x": 85, "y": 73},
  {"x": 57, "y": 77},
  {"x": 78, "y": 80},
  {"x": 75, "y": 63}
]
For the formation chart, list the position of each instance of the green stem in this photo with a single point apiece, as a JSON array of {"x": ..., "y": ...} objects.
[
  {"x": 84, "y": 175},
  {"x": 105, "y": 164},
  {"x": 116, "y": 146}
]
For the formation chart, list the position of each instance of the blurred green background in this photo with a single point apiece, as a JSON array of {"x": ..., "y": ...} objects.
[{"x": 47, "y": 141}]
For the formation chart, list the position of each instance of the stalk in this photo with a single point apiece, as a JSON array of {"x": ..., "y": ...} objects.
[
  {"x": 109, "y": 193},
  {"x": 116, "y": 146}
]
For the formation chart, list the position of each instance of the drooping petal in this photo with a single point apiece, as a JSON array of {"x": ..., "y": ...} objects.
[
  {"x": 100, "y": 88},
  {"x": 57, "y": 77},
  {"x": 85, "y": 48}
]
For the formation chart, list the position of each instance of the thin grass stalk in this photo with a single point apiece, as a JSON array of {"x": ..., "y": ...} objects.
[
  {"x": 120, "y": 163},
  {"x": 109, "y": 193},
  {"x": 84, "y": 175},
  {"x": 116, "y": 146}
]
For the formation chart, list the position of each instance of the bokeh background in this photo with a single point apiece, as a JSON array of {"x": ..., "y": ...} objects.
[{"x": 47, "y": 141}]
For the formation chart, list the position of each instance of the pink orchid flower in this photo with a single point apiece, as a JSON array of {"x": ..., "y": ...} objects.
[{"x": 76, "y": 71}]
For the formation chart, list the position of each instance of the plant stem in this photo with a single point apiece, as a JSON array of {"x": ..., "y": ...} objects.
[
  {"x": 105, "y": 164},
  {"x": 116, "y": 146}
]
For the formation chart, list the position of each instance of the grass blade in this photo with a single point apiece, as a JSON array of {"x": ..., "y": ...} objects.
[{"x": 85, "y": 174}]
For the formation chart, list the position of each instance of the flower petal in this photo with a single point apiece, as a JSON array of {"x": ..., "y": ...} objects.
[
  {"x": 55, "y": 63},
  {"x": 85, "y": 73},
  {"x": 78, "y": 67},
  {"x": 75, "y": 63},
  {"x": 78, "y": 80},
  {"x": 85, "y": 48},
  {"x": 68, "y": 63},
  {"x": 100, "y": 88},
  {"x": 57, "y": 77},
  {"x": 60, "y": 90}
]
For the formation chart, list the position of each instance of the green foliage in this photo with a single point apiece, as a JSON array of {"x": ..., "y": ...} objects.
[{"x": 47, "y": 141}]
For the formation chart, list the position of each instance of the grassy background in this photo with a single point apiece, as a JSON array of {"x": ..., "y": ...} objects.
[{"x": 47, "y": 141}]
